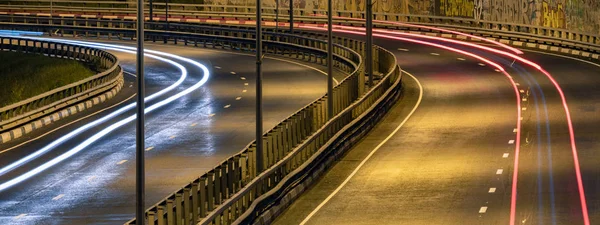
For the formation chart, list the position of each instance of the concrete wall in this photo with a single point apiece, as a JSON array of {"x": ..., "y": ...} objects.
[{"x": 577, "y": 15}]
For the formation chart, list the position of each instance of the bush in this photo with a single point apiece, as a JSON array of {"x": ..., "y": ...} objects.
[{"x": 25, "y": 75}]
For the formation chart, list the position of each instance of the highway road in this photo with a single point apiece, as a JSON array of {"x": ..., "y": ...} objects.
[
  {"x": 453, "y": 160},
  {"x": 185, "y": 138}
]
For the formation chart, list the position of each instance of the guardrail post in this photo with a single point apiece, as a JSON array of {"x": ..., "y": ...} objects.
[
  {"x": 160, "y": 211},
  {"x": 170, "y": 216}
]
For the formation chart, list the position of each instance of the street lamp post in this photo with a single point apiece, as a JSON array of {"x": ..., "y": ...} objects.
[
  {"x": 259, "y": 110},
  {"x": 150, "y": 12},
  {"x": 369, "y": 50},
  {"x": 139, "y": 139},
  {"x": 329, "y": 60},
  {"x": 291, "y": 16}
]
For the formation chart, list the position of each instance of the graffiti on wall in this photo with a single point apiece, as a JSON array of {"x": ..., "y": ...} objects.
[
  {"x": 553, "y": 16},
  {"x": 455, "y": 8}
]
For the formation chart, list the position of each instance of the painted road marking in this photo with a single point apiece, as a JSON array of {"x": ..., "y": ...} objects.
[
  {"x": 217, "y": 67},
  {"x": 121, "y": 162},
  {"x": 91, "y": 178},
  {"x": 227, "y": 106},
  {"x": 362, "y": 163},
  {"x": 232, "y": 72},
  {"x": 403, "y": 49},
  {"x": 193, "y": 124},
  {"x": 497, "y": 70},
  {"x": 481, "y": 64},
  {"x": 511, "y": 142},
  {"x": 499, "y": 171},
  {"x": 515, "y": 130},
  {"x": 245, "y": 84},
  {"x": 461, "y": 59},
  {"x": 238, "y": 98},
  {"x": 433, "y": 53},
  {"x": 517, "y": 84},
  {"x": 173, "y": 136},
  {"x": 149, "y": 148},
  {"x": 244, "y": 90},
  {"x": 211, "y": 115},
  {"x": 524, "y": 99},
  {"x": 243, "y": 78},
  {"x": 20, "y": 216},
  {"x": 521, "y": 118},
  {"x": 58, "y": 197},
  {"x": 505, "y": 155},
  {"x": 522, "y": 91},
  {"x": 483, "y": 209},
  {"x": 492, "y": 190}
]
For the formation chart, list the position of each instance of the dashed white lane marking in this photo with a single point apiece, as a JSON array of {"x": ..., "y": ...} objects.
[
  {"x": 245, "y": 84},
  {"x": 238, "y": 98},
  {"x": 227, "y": 106},
  {"x": 511, "y": 142},
  {"x": 173, "y": 136},
  {"x": 58, "y": 197},
  {"x": 499, "y": 171},
  {"x": 483, "y": 209},
  {"x": 232, "y": 72},
  {"x": 149, "y": 148},
  {"x": 505, "y": 155},
  {"x": 121, "y": 162},
  {"x": 515, "y": 130},
  {"x": 433, "y": 53},
  {"x": 403, "y": 49},
  {"x": 461, "y": 59},
  {"x": 522, "y": 91},
  {"x": 492, "y": 190},
  {"x": 521, "y": 118},
  {"x": 20, "y": 216},
  {"x": 91, "y": 178},
  {"x": 524, "y": 108},
  {"x": 517, "y": 84},
  {"x": 217, "y": 67},
  {"x": 243, "y": 78},
  {"x": 497, "y": 70},
  {"x": 193, "y": 124},
  {"x": 481, "y": 64},
  {"x": 244, "y": 90},
  {"x": 524, "y": 99}
]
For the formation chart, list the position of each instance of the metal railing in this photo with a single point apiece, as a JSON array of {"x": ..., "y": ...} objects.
[
  {"x": 48, "y": 102},
  {"x": 530, "y": 33}
]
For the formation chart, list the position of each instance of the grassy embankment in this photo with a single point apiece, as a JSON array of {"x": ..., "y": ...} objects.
[{"x": 26, "y": 75}]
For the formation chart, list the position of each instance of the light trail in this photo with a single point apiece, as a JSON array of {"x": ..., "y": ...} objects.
[
  {"x": 515, "y": 50},
  {"x": 580, "y": 187},
  {"x": 118, "y": 124},
  {"x": 87, "y": 126},
  {"x": 501, "y": 69}
]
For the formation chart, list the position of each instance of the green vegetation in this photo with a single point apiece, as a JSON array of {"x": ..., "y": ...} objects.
[{"x": 25, "y": 75}]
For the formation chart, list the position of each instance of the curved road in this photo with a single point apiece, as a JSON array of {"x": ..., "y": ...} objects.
[
  {"x": 184, "y": 138},
  {"x": 452, "y": 162}
]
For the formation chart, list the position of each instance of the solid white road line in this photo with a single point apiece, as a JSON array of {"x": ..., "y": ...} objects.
[{"x": 370, "y": 154}]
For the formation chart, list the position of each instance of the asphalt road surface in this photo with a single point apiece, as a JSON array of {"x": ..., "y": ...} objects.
[
  {"x": 185, "y": 138},
  {"x": 453, "y": 161}
]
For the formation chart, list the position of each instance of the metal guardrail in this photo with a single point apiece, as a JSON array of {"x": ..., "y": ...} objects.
[
  {"x": 43, "y": 104},
  {"x": 538, "y": 34},
  {"x": 280, "y": 140}
]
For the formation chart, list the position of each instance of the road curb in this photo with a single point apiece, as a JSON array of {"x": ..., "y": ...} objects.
[{"x": 68, "y": 111}]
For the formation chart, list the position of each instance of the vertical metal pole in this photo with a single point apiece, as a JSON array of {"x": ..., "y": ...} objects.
[
  {"x": 259, "y": 118},
  {"x": 150, "y": 13},
  {"x": 276, "y": 15},
  {"x": 291, "y": 16},
  {"x": 139, "y": 150},
  {"x": 369, "y": 47},
  {"x": 51, "y": 10},
  {"x": 167, "y": 13},
  {"x": 329, "y": 59}
]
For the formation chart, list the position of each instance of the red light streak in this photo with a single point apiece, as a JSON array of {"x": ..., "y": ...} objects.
[{"x": 530, "y": 63}]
